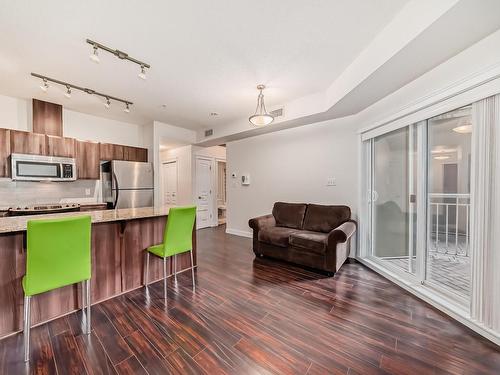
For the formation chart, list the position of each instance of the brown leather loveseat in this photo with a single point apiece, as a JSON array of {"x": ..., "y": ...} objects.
[{"x": 311, "y": 235}]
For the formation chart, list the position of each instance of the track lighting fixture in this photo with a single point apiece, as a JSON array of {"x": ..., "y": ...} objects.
[
  {"x": 261, "y": 117},
  {"x": 94, "y": 56},
  {"x": 68, "y": 92},
  {"x": 142, "y": 74},
  {"x": 120, "y": 54},
  {"x": 44, "y": 86}
]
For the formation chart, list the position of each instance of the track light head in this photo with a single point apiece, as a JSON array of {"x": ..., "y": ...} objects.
[
  {"x": 127, "y": 108},
  {"x": 94, "y": 55},
  {"x": 142, "y": 74},
  {"x": 68, "y": 92},
  {"x": 44, "y": 86},
  {"x": 108, "y": 103}
]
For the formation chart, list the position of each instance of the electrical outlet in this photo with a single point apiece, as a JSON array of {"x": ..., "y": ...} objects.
[
  {"x": 87, "y": 191},
  {"x": 331, "y": 181}
]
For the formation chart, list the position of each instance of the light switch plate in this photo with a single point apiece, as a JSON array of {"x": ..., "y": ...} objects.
[{"x": 331, "y": 181}]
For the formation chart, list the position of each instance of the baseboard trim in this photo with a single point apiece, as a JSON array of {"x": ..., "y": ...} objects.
[
  {"x": 241, "y": 233},
  {"x": 441, "y": 304}
]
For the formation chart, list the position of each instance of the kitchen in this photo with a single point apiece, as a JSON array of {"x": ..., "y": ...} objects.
[{"x": 43, "y": 172}]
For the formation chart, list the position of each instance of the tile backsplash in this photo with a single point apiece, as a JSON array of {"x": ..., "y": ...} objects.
[{"x": 14, "y": 193}]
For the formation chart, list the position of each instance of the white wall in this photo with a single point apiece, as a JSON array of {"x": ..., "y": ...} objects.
[{"x": 291, "y": 165}]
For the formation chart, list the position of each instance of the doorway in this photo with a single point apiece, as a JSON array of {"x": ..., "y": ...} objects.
[
  {"x": 221, "y": 192},
  {"x": 170, "y": 182}
]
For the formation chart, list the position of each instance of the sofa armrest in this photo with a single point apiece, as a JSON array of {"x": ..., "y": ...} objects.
[
  {"x": 262, "y": 221},
  {"x": 342, "y": 233},
  {"x": 339, "y": 245}
]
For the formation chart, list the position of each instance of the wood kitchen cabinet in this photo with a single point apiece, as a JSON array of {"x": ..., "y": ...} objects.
[
  {"x": 87, "y": 160},
  {"x": 22, "y": 142},
  {"x": 135, "y": 153},
  {"x": 109, "y": 151},
  {"x": 4, "y": 152},
  {"x": 47, "y": 118},
  {"x": 60, "y": 146}
]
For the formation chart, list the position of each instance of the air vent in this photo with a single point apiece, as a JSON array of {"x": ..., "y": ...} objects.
[
  {"x": 209, "y": 132},
  {"x": 277, "y": 112}
]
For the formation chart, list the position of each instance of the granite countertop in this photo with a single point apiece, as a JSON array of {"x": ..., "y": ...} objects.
[{"x": 19, "y": 223}]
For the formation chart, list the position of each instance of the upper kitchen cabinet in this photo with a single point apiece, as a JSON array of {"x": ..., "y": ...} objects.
[
  {"x": 4, "y": 152},
  {"x": 60, "y": 146},
  {"x": 47, "y": 118},
  {"x": 87, "y": 160},
  {"x": 22, "y": 142},
  {"x": 109, "y": 151},
  {"x": 135, "y": 153}
]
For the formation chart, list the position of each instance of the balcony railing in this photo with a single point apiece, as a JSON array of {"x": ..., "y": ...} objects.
[{"x": 449, "y": 224}]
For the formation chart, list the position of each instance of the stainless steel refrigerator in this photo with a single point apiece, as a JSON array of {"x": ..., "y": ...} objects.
[{"x": 127, "y": 184}]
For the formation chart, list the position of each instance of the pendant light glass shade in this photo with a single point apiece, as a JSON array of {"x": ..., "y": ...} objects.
[{"x": 261, "y": 117}]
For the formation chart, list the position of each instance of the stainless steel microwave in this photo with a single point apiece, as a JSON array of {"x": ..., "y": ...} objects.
[{"x": 42, "y": 168}]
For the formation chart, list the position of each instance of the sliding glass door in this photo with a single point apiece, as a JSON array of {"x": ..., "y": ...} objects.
[
  {"x": 393, "y": 199},
  {"x": 449, "y": 155},
  {"x": 418, "y": 186}
]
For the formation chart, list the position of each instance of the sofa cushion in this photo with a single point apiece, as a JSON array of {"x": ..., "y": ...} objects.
[
  {"x": 290, "y": 215},
  {"x": 320, "y": 218},
  {"x": 315, "y": 242},
  {"x": 277, "y": 236}
]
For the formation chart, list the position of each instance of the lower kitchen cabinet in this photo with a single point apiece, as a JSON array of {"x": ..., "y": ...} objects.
[{"x": 87, "y": 160}]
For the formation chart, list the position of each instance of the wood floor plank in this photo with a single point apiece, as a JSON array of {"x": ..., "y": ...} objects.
[
  {"x": 257, "y": 316},
  {"x": 67, "y": 355}
]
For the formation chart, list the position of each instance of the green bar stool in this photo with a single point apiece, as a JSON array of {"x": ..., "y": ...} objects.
[
  {"x": 57, "y": 254},
  {"x": 177, "y": 239}
]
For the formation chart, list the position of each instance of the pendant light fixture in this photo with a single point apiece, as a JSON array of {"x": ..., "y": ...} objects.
[{"x": 261, "y": 117}]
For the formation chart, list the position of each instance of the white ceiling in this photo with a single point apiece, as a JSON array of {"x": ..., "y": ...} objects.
[{"x": 206, "y": 56}]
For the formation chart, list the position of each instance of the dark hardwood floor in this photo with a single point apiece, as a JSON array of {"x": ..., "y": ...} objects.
[{"x": 252, "y": 316}]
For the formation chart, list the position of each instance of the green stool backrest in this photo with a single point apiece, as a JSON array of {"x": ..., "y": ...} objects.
[
  {"x": 179, "y": 230},
  {"x": 58, "y": 253}
]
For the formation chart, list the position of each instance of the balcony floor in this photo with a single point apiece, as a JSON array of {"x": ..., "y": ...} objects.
[{"x": 450, "y": 271}]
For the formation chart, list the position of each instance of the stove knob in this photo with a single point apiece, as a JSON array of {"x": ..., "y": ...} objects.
[{"x": 25, "y": 208}]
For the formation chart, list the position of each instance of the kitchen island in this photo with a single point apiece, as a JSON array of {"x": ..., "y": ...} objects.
[{"x": 119, "y": 238}]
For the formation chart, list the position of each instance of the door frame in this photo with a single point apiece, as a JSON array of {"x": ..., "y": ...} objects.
[
  {"x": 163, "y": 162},
  {"x": 213, "y": 202},
  {"x": 216, "y": 188}
]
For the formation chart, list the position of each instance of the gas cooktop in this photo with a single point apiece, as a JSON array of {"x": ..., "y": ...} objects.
[{"x": 37, "y": 209}]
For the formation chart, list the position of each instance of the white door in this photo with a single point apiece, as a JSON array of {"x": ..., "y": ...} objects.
[
  {"x": 204, "y": 196},
  {"x": 170, "y": 183}
]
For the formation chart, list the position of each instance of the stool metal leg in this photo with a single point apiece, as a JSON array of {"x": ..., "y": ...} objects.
[
  {"x": 146, "y": 275},
  {"x": 26, "y": 333},
  {"x": 175, "y": 267},
  {"x": 165, "y": 278},
  {"x": 87, "y": 303},
  {"x": 192, "y": 269}
]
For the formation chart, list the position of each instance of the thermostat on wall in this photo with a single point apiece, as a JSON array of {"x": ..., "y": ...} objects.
[{"x": 245, "y": 179}]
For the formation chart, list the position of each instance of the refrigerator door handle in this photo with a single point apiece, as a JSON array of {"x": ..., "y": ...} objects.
[{"x": 116, "y": 190}]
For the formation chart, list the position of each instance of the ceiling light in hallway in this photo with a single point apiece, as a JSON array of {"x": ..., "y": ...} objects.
[{"x": 261, "y": 117}]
